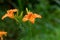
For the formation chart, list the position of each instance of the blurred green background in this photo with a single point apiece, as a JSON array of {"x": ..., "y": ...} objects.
[{"x": 46, "y": 28}]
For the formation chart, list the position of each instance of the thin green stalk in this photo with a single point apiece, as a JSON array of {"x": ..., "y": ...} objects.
[{"x": 30, "y": 31}]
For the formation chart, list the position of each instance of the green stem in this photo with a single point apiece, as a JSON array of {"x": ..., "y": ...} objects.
[
  {"x": 27, "y": 10},
  {"x": 30, "y": 31}
]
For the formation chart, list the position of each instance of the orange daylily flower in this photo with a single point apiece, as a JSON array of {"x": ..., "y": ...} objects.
[
  {"x": 10, "y": 13},
  {"x": 31, "y": 17},
  {"x": 2, "y": 33}
]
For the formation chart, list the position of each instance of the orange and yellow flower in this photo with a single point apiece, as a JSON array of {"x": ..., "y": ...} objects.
[
  {"x": 10, "y": 13},
  {"x": 31, "y": 17},
  {"x": 2, "y": 33}
]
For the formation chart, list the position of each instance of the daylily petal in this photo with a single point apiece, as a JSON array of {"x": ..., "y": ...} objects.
[
  {"x": 3, "y": 33},
  {"x": 4, "y": 16},
  {"x": 10, "y": 13},
  {"x": 25, "y": 18},
  {"x": 32, "y": 19},
  {"x": 37, "y": 16}
]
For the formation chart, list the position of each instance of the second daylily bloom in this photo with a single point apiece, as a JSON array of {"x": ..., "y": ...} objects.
[
  {"x": 31, "y": 17},
  {"x": 2, "y": 33},
  {"x": 10, "y": 13}
]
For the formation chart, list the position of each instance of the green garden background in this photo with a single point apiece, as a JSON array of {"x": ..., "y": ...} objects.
[{"x": 46, "y": 28}]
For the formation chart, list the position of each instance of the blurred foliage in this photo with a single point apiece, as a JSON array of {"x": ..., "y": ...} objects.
[{"x": 47, "y": 28}]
